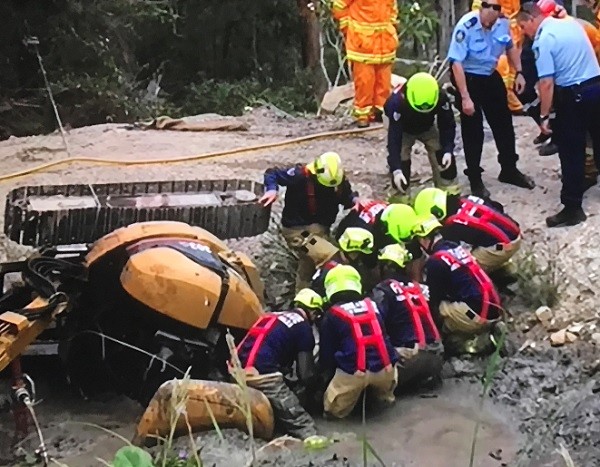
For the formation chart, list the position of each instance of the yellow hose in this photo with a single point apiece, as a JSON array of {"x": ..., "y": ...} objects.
[{"x": 210, "y": 155}]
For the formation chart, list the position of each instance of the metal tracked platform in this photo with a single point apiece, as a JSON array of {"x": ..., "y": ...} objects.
[{"x": 74, "y": 214}]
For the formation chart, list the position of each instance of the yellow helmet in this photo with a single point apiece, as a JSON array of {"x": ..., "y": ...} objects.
[
  {"x": 395, "y": 253},
  {"x": 357, "y": 239},
  {"x": 422, "y": 92},
  {"x": 309, "y": 299},
  {"x": 431, "y": 201},
  {"x": 425, "y": 225},
  {"x": 328, "y": 169},
  {"x": 342, "y": 278},
  {"x": 399, "y": 220}
]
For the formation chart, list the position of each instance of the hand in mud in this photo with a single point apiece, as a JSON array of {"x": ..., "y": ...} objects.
[
  {"x": 268, "y": 198},
  {"x": 468, "y": 107}
]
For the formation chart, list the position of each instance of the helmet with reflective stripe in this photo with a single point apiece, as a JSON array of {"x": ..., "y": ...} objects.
[
  {"x": 396, "y": 253},
  {"x": 422, "y": 92},
  {"x": 342, "y": 278},
  {"x": 431, "y": 201},
  {"x": 328, "y": 169},
  {"x": 426, "y": 225},
  {"x": 357, "y": 239},
  {"x": 309, "y": 299},
  {"x": 399, "y": 220}
]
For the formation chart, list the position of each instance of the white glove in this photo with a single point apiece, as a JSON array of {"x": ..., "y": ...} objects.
[
  {"x": 446, "y": 160},
  {"x": 425, "y": 291},
  {"x": 399, "y": 180}
]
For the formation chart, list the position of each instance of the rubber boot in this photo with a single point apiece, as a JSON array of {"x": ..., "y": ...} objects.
[{"x": 568, "y": 216}]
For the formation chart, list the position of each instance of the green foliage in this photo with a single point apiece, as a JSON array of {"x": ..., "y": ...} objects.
[
  {"x": 539, "y": 278},
  {"x": 132, "y": 456},
  {"x": 418, "y": 24}
]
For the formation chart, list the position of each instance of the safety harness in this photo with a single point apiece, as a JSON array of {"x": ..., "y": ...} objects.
[
  {"x": 370, "y": 210},
  {"x": 418, "y": 310},
  {"x": 485, "y": 219},
  {"x": 358, "y": 315},
  {"x": 488, "y": 291}
]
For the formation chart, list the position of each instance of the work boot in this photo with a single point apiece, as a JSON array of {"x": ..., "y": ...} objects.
[
  {"x": 514, "y": 176},
  {"x": 376, "y": 116},
  {"x": 548, "y": 150},
  {"x": 363, "y": 123},
  {"x": 568, "y": 216},
  {"x": 541, "y": 138},
  {"x": 478, "y": 188}
]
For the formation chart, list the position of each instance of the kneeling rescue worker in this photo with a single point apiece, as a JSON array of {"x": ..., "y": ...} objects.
[
  {"x": 495, "y": 237},
  {"x": 408, "y": 321},
  {"x": 411, "y": 109},
  {"x": 354, "y": 346},
  {"x": 270, "y": 348},
  {"x": 313, "y": 197},
  {"x": 463, "y": 299}
]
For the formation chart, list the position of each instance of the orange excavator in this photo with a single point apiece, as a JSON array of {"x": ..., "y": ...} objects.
[{"x": 131, "y": 284}]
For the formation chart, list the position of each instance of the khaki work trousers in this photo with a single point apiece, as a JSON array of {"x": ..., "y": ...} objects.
[
  {"x": 491, "y": 259},
  {"x": 312, "y": 245},
  {"x": 344, "y": 390}
]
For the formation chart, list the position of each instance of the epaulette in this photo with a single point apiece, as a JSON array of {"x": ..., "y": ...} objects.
[{"x": 472, "y": 22}]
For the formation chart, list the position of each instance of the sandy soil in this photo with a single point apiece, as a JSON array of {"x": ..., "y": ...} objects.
[{"x": 542, "y": 397}]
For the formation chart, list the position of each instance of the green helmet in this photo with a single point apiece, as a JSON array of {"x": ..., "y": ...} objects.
[
  {"x": 357, "y": 239},
  {"x": 309, "y": 299},
  {"x": 328, "y": 169},
  {"x": 431, "y": 201},
  {"x": 395, "y": 253},
  {"x": 342, "y": 278},
  {"x": 422, "y": 92},
  {"x": 425, "y": 225},
  {"x": 399, "y": 220}
]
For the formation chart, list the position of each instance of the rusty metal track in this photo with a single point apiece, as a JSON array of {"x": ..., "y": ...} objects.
[{"x": 72, "y": 214}]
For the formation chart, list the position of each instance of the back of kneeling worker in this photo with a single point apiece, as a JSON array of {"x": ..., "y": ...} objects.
[
  {"x": 271, "y": 346},
  {"x": 354, "y": 346},
  {"x": 408, "y": 321},
  {"x": 462, "y": 295}
]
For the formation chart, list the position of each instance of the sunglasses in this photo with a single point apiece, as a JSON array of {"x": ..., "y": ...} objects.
[{"x": 494, "y": 7}]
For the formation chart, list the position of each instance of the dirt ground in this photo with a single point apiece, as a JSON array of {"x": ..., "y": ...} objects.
[{"x": 542, "y": 397}]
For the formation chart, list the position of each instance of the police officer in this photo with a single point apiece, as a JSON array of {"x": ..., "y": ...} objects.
[
  {"x": 478, "y": 40},
  {"x": 408, "y": 321},
  {"x": 313, "y": 197},
  {"x": 270, "y": 348},
  {"x": 463, "y": 299},
  {"x": 570, "y": 77},
  {"x": 411, "y": 110},
  {"x": 355, "y": 351}
]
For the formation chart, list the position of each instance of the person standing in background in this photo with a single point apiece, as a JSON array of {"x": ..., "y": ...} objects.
[{"x": 371, "y": 38}]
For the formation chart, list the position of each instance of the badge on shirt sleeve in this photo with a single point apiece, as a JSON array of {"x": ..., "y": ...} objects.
[
  {"x": 460, "y": 35},
  {"x": 536, "y": 53},
  {"x": 291, "y": 171}
]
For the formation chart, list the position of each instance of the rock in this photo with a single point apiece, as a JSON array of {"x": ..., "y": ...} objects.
[
  {"x": 558, "y": 338},
  {"x": 543, "y": 314},
  {"x": 570, "y": 337},
  {"x": 575, "y": 328},
  {"x": 552, "y": 325},
  {"x": 335, "y": 96},
  {"x": 596, "y": 338}
]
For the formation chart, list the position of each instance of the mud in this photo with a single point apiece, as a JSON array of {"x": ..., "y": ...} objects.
[{"x": 541, "y": 397}]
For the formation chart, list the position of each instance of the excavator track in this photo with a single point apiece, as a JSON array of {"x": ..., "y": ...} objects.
[{"x": 75, "y": 214}]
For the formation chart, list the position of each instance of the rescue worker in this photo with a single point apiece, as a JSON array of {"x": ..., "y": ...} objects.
[
  {"x": 478, "y": 40},
  {"x": 371, "y": 40},
  {"x": 314, "y": 194},
  {"x": 355, "y": 351},
  {"x": 408, "y": 321},
  {"x": 412, "y": 109},
  {"x": 463, "y": 299},
  {"x": 570, "y": 78},
  {"x": 494, "y": 236},
  {"x": 270, "y": 348},
  {"x": 357, "y": 247}
]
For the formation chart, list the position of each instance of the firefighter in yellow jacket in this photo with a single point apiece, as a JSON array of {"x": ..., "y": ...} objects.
[
  {"x": 369, "y": 29},
  {"x": 509, "y": 9}
]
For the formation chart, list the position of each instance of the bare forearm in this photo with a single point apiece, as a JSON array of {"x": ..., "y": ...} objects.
[
  {"x": 546, "y": 90},
  {"x": 460, "y": 79},
  {"x": 514, "y": 57}
]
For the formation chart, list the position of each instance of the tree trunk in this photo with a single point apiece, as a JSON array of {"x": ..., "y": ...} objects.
[{"x": 311, "y": 48}]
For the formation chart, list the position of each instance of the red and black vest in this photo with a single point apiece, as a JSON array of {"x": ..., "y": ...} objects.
[
  {"x": 488, "y": 291},
  {"x": 369, "y": 211},
  {"x": 485, "y": 219},
  {"x": 418, "y": 310},
  {"x": 358, "y": 315}
]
